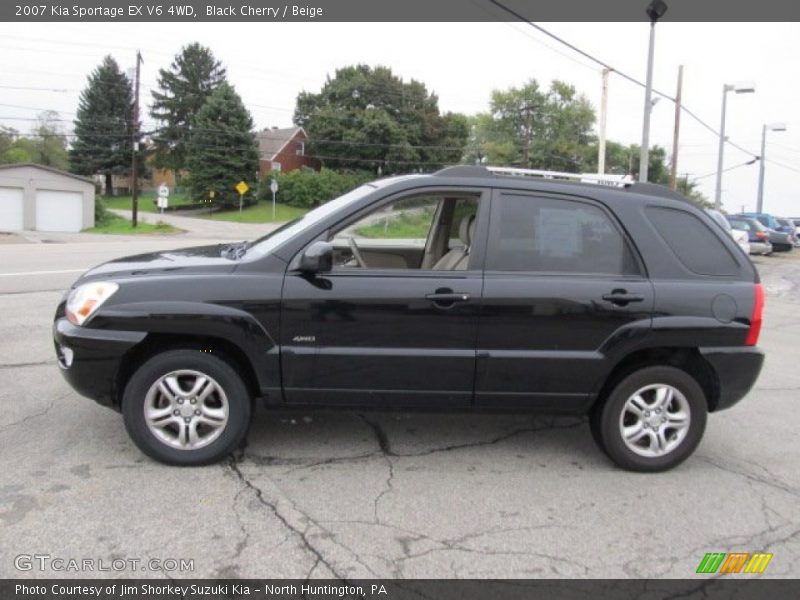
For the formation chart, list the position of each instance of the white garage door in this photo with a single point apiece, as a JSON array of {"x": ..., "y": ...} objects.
[
  {"x": 10, "y": 209},
  {"x": 59, "y": 211}
]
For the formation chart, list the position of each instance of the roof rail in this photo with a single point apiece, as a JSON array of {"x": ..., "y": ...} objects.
[
  {"x": 464, "y": 171},
  {"x": 610, "y": 180},
  {"x": 482, "y": 171}
]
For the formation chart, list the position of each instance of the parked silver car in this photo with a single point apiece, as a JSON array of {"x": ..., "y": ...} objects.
[{"x": 758, "y": 235}]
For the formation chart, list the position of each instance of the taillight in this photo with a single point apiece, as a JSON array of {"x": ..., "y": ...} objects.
[
  {"x": 762, "y": 235},
  {"x": 755, "y": 319}
]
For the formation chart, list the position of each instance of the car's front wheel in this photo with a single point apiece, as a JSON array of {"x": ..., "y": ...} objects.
[
  {"x": 652, "y": 420},
  {"x": 186, "y": 407}
]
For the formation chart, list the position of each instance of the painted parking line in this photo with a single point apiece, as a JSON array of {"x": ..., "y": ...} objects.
[{"x": 31, "y": 273}]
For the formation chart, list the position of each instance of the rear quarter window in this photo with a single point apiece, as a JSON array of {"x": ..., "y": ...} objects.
[{"x": 692, "y": 241}]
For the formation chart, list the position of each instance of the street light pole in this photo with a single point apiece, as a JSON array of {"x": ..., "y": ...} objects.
[
  {"x": 721, "y": 151},
  {"x": 655, "y": 10},
  {"x": 644, "y": 151},
  {"x": 762, "y": 160},
  {"x": 739, "y": 88}
]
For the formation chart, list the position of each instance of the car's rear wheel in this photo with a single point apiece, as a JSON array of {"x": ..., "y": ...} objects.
[
  {"x": 652, "y": 420},
  {"x": 186, "y": 407}
]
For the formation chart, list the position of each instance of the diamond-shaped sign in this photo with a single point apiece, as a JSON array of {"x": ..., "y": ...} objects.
[{"x": 242, "y": 188}]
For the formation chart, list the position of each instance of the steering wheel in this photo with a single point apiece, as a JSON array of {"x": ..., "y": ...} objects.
[{"x": 356, "y": 252}]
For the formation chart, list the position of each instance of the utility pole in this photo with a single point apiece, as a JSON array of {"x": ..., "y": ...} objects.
[
  {"x": 135, "y": 144},
  {"x": 601, "y": 144},
  {"x": 673, "y": 179}
]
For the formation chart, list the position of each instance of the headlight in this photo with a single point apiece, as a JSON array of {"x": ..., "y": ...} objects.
[{"x": 84, "y": 300}]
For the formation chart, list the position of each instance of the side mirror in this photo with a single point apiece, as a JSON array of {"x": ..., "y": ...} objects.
[{"x": 318, "y": 258}]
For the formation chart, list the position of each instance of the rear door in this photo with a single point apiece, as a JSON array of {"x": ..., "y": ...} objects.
[{"x": 562, "y": 289}]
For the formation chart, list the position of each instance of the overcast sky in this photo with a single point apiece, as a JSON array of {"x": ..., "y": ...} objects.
[{"x": 269, "y": 63}]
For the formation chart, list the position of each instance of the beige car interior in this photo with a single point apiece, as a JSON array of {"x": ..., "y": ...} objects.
[
  {"x": 446, "y": 248},
  {"x": 457, "y": 258}
]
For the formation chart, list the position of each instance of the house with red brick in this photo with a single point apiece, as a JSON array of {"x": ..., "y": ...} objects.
[{"x": 283, "y": 150}]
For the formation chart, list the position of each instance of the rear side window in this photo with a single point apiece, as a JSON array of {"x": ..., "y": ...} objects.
[
  {"x": 694, "y": 243},
  {"x": 545, "y": 235}
]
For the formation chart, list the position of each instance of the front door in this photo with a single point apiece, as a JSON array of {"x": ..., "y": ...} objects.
[
  {"x": 563, "y": 293},
  {"x": 394, "y": 322}
]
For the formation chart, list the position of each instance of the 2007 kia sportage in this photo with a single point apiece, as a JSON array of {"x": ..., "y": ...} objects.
[{"x": 461, "y": 290}]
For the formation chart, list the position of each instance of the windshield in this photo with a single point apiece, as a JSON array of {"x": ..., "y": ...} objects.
[{"x": 268, "y": 243}]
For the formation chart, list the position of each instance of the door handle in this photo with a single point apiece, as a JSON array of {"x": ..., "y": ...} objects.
[
  {"x": 443, "y": 297},
  {"x": 622, "y": 297}
]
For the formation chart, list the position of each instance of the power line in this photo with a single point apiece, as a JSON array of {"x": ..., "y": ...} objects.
[
  {"x": 744, "y": 164},
  {"x": 778, "y": 164},
  {"x": 622, "y": 74},
  {"x": 223, "y": 132}
]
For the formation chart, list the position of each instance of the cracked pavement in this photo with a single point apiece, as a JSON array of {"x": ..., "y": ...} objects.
[{"x": 397, "y": 495}]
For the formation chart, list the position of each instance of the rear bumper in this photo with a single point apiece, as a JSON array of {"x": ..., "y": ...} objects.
[
  {"x": 89, "y": 359},
  {"x": 737, "y": 370},
  {"x": 760, "y": 247}
]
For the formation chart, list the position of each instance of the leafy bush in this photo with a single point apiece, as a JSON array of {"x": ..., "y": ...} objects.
[
  {"x": 102, "y": 216},
  {"x": 304, "y": 188}
]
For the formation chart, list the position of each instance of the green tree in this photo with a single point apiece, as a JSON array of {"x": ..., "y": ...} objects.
[
  {"x": 534, "y": 128},
  {"x": 104, "y": 126},
  {"x": 7, "y": 137},
  {"x": 183, "y": 89},
  {"x": 46, "y": 145},
  {"x": 49, "y": 142},
  {"x": 17, "y": 154},
  {"x": 365, "y": 118},
  {"x": 689, "y": 189},
  {"x": 621, "y": 159},
  {"x": 306, "y": 188},
  {"x": 221, "y": 150}
]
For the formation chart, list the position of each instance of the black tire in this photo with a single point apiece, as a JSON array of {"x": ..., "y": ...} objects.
[
  {"x": 238, "y": 402},
  {"x": 605, "y": 419}
]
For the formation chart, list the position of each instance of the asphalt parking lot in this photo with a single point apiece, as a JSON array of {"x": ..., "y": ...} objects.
[{"x": 377, "y": 494}]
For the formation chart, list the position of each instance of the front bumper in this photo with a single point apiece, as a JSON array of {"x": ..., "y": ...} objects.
[
  {"x": 89, "y": 359},
  {"x": 737, "y": 370}
]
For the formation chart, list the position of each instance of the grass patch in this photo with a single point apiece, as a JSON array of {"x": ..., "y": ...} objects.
[
  {"x": 408, "y": 224},
  {"x": 260, "y": 212},
  {"x": 118, "y": 225},
  {"x": 147, "y": 203}
]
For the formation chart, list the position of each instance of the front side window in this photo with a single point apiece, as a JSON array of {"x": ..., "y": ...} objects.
[
  {"x": 428, "y": 231},
  {"x": 547, "y": 235}
]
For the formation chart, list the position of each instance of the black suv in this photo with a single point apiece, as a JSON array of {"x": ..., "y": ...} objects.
[{"x": 460, "y": 290}]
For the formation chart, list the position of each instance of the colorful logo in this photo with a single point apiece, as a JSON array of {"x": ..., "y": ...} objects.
[{"x": 734, "y": 562}]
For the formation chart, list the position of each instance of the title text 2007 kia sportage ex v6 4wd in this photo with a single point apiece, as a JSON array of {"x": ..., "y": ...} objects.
[{"x": 460, "y": 290}]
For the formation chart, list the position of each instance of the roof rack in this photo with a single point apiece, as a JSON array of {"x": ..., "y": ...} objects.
[
  {"x": 611, "y": 180},
  {"x": 481, "y": 171}
]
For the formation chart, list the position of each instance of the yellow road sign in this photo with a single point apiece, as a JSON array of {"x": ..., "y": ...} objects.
[{"x": 242, "y": 188}]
